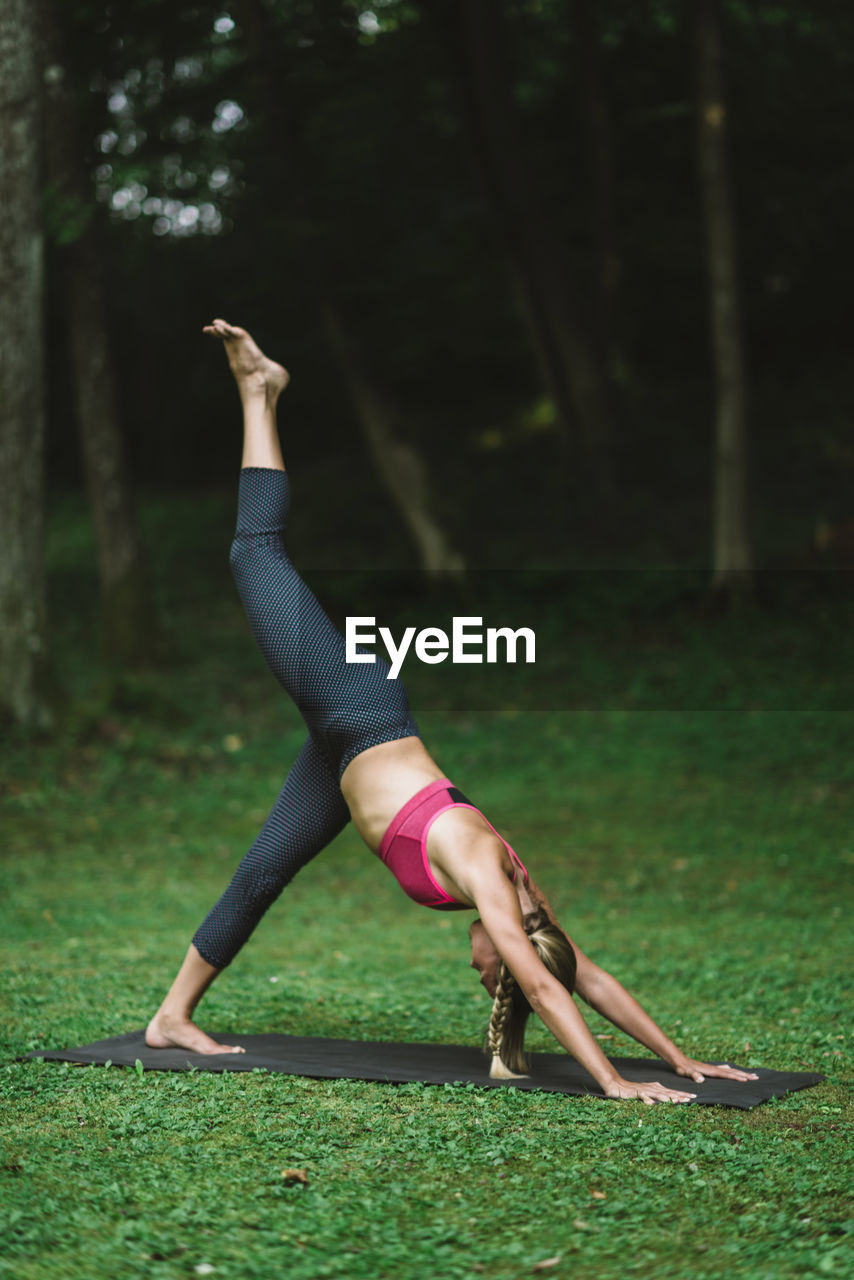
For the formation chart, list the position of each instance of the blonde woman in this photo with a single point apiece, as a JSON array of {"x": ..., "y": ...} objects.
[{"x": 364, "y": 761}]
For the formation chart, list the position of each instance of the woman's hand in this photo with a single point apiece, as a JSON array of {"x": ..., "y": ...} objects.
[
  {"x": 648, "y": 1092},
  {"x": 698, "y": 1071}
]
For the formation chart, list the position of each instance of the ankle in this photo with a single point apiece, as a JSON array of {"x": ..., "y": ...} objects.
[
  {"x": 174, "y": 1013},
  {"x": 254, "y": 387}
]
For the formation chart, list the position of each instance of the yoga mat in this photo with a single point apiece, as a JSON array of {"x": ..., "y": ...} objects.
[{"x": 429, "y": 1063}]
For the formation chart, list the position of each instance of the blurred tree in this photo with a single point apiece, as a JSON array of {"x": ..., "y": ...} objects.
[
  {"x": 398, "y": 463},
  {"x": 128, "y": 625},
  {"x": 586, "y": 21},
  {"x": 23, "y": 622},
  {"x": 732, "y": 564},
  {"x": 361, "y": 193},
  {"x": 476, "y": 36}
]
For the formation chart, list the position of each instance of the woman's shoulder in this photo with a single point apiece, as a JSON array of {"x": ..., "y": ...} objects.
[{"x": 462, "y": 838}]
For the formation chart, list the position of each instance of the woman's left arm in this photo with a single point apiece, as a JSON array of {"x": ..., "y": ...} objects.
[{"x": 607, "y": 996}]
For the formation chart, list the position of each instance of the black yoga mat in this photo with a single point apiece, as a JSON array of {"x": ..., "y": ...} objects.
[{"x": 428, "y": 1063}]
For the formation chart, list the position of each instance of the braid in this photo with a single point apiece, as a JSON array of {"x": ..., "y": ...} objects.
[
  {"x": 500, "y": 1007},
  {"x": 504, "y": 1034}
]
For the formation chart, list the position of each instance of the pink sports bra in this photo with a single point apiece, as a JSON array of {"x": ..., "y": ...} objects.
[{"x": 404, "y": 845}]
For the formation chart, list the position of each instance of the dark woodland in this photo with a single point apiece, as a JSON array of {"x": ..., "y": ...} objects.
[{"x": 561, "y": 286}]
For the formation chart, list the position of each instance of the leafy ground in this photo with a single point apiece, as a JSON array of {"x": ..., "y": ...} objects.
[{"x": 681, "y": 784}]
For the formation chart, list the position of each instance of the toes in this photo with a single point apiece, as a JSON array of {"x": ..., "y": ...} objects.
[
  {"x": 231, "y": 330},
  {"x": 222, "y": 328}
]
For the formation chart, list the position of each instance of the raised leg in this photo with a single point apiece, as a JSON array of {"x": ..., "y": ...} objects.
[{"x": 347, "y": 707}]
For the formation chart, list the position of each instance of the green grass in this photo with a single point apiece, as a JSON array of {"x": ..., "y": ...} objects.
[{"x": 682, "y": 787}]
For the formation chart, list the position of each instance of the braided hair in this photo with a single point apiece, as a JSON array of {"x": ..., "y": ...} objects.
[{"x": 505, "y": 1035}]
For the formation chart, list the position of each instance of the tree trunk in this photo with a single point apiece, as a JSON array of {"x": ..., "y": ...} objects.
[
  {"x": 128, "y": 622},
  {"x": 401, "y": 469},
  {"x": 128, "y": 627},
  {"x": 601, "y": 153},
  {"x": 23, "y": 621},
  {"x": 475, "y": 31},
  {"x": 732, "y": 551}
]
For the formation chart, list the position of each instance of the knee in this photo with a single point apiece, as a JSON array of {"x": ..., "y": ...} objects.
[
  {"x": 262, "y": 549},
  {"x": 266, "y": 888},
  {"x": 244, "y": 557},
  {"x": 237, "y": 554},
  {"x": 254, "y": 889}
]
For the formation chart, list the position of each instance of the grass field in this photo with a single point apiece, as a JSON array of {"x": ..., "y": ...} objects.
[{"x": 683, "y": 788}]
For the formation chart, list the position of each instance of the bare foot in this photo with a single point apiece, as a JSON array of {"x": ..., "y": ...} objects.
[
  {"x": 253, "y": 372},
  {"x": 165, "y": 1031}
]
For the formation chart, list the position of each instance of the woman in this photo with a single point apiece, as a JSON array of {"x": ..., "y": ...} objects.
[{"x": 364, "y": 760}]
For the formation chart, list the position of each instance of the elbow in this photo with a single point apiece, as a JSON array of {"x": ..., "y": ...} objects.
[
  {"x": 593, "y": 987},
  {"x": 541, "y": 996}
]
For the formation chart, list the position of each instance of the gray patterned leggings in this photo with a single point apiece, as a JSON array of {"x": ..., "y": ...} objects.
[{"x": 347, "y": 707}]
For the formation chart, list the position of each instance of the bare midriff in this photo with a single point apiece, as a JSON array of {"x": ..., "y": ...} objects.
[{"x": 378, "y": 783}]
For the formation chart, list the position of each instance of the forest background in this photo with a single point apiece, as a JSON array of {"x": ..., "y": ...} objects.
[
  {"x": 564, "y": 290},
  {"x": 560, "y": 285}
]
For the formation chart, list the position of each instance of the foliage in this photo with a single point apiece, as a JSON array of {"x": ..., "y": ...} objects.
[{"x": 358, "y": 180}]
